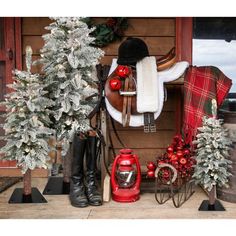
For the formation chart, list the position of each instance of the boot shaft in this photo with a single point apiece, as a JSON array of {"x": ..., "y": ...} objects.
[
  {"x": 91, "y": 151},
  {"x": 79, "y": 149}
]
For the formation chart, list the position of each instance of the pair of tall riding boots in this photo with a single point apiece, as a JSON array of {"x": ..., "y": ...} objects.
[{"x": 83, "y": 187}]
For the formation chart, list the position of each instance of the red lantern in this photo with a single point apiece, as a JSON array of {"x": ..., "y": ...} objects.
[
  {"x": 126, "y": 177},
  {"x": 122, "y": 71}
]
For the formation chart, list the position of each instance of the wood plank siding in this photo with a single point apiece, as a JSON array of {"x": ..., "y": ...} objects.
[{"x": 159, "y": 35}]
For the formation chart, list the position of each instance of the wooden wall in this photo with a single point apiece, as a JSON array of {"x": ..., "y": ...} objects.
[{"x": 159, "y": 35}]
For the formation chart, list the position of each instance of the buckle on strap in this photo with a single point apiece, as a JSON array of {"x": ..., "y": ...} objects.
[
  {"x": 149, "y": 123},
  {"x": 127, "y": 93}
]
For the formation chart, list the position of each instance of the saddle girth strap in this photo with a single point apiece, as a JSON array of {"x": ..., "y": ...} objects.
[{"x": 149, "y": 122}]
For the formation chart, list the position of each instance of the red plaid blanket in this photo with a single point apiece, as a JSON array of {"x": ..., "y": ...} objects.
[{"x": 201, "y": 85}]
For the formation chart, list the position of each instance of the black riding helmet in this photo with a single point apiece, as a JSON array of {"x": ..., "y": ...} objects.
[{"x": 131, "y": 51}]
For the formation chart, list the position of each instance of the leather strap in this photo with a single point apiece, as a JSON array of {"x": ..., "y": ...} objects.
[
  {"x": 125, "y": 104},
  {"x": 149, "y": 122}
]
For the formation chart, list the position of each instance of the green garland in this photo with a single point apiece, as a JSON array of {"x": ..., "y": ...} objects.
[{"x": 109, "y": 31}]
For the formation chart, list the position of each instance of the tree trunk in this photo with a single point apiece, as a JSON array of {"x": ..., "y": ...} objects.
[
  {"x": 212, "y": 195},
  {"x": 27, "y": 182},
  {"x": 67, "y": 165}
]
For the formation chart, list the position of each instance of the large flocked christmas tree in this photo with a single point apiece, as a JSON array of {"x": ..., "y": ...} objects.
[
  {"x": 69, "y": 61},
  {"x": 27, "y": 122},
  {"x": 212, "y": 153}
]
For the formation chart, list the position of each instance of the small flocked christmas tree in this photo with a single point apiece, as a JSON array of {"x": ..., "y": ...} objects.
[
  {"x": 27, "y": 122},
  {"x": 212, "y": 153},
  {"x": 69, "y": 59}
]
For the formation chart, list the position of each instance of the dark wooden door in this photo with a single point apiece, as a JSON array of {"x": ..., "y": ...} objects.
[{"x": 7, "y": 64}]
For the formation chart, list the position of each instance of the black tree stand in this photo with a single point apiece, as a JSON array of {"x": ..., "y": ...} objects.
[
  {"x": 212, "y": 204},
  {"x": 26, "y": 194},
  {"x": 60, "y": 185}
]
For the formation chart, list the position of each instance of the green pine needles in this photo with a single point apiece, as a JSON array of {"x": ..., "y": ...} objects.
[
  {"x": 212, "y": 153},
  {"x": 69, "y": 59},
  {"x": 27, "y": 120}
]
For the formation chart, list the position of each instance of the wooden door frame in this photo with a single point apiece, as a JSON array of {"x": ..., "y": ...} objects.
[
  {"x": 184, "y": 38},
  {"x": 12, "y": 35},
  {"x": 18, "y": 43},
  {"x": 13, "y": 39}
]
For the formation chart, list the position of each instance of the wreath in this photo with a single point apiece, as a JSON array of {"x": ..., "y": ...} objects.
[{"x": 109, "y": 31}]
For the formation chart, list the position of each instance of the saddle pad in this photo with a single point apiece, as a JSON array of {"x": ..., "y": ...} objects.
[{"x": 147, "y": 85}]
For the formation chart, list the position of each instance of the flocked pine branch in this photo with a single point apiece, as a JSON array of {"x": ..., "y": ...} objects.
[
  {"x": 212, "y": 152},
  {"x": 27, "y": 120},
  {"x": 69, "y": 59}
]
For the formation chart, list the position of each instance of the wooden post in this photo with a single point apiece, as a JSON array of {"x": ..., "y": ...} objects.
[
  {"x": 212, "y": 196},
  {"x": 27, "y": 183},
  {"x": 105, "y": 179}
]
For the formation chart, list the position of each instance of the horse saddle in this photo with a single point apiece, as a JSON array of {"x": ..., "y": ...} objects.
[{"x": 139, "y": 99}]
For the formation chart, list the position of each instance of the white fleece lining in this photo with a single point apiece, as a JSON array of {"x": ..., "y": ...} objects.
[
  {"x": 168, "y": 75},
  {"x": 147, "y": 85}
]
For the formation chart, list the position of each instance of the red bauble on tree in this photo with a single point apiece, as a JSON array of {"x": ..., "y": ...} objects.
[
  {"x": 122, "y": 71},
  {"x": 115, "y": 84}
]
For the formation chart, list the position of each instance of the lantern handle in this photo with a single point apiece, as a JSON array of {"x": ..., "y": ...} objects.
[
  {"x": 113, "y": 172},
  {"x": 138, "y": 180}
]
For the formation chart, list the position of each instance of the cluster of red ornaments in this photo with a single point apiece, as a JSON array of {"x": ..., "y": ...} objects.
[
  {"x": 179, "y": 156},
  {"x": 121, "y": 73}
]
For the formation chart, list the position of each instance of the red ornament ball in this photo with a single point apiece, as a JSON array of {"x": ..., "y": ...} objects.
[
  {"x": 150, "y": 173},
  {"x": 122, "y": 71},
  {"x": 179, "y": 154},
  {"x": 115, "y": 84},
  {"x": 170, "y": 149},
  {"x": 179, "y": 147},
  {"x": 166, "y": 174},
  {"x": 151, "y": 165},
  {"x": 183, "y": 161},
  {"x": 186, "y": 152},
  {"x": 174, "y": 157}
]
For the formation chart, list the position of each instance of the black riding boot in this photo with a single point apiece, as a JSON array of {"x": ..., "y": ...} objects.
[
  {"x": 77, "y": 189},
  {"x": 93, "y": 195}
]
